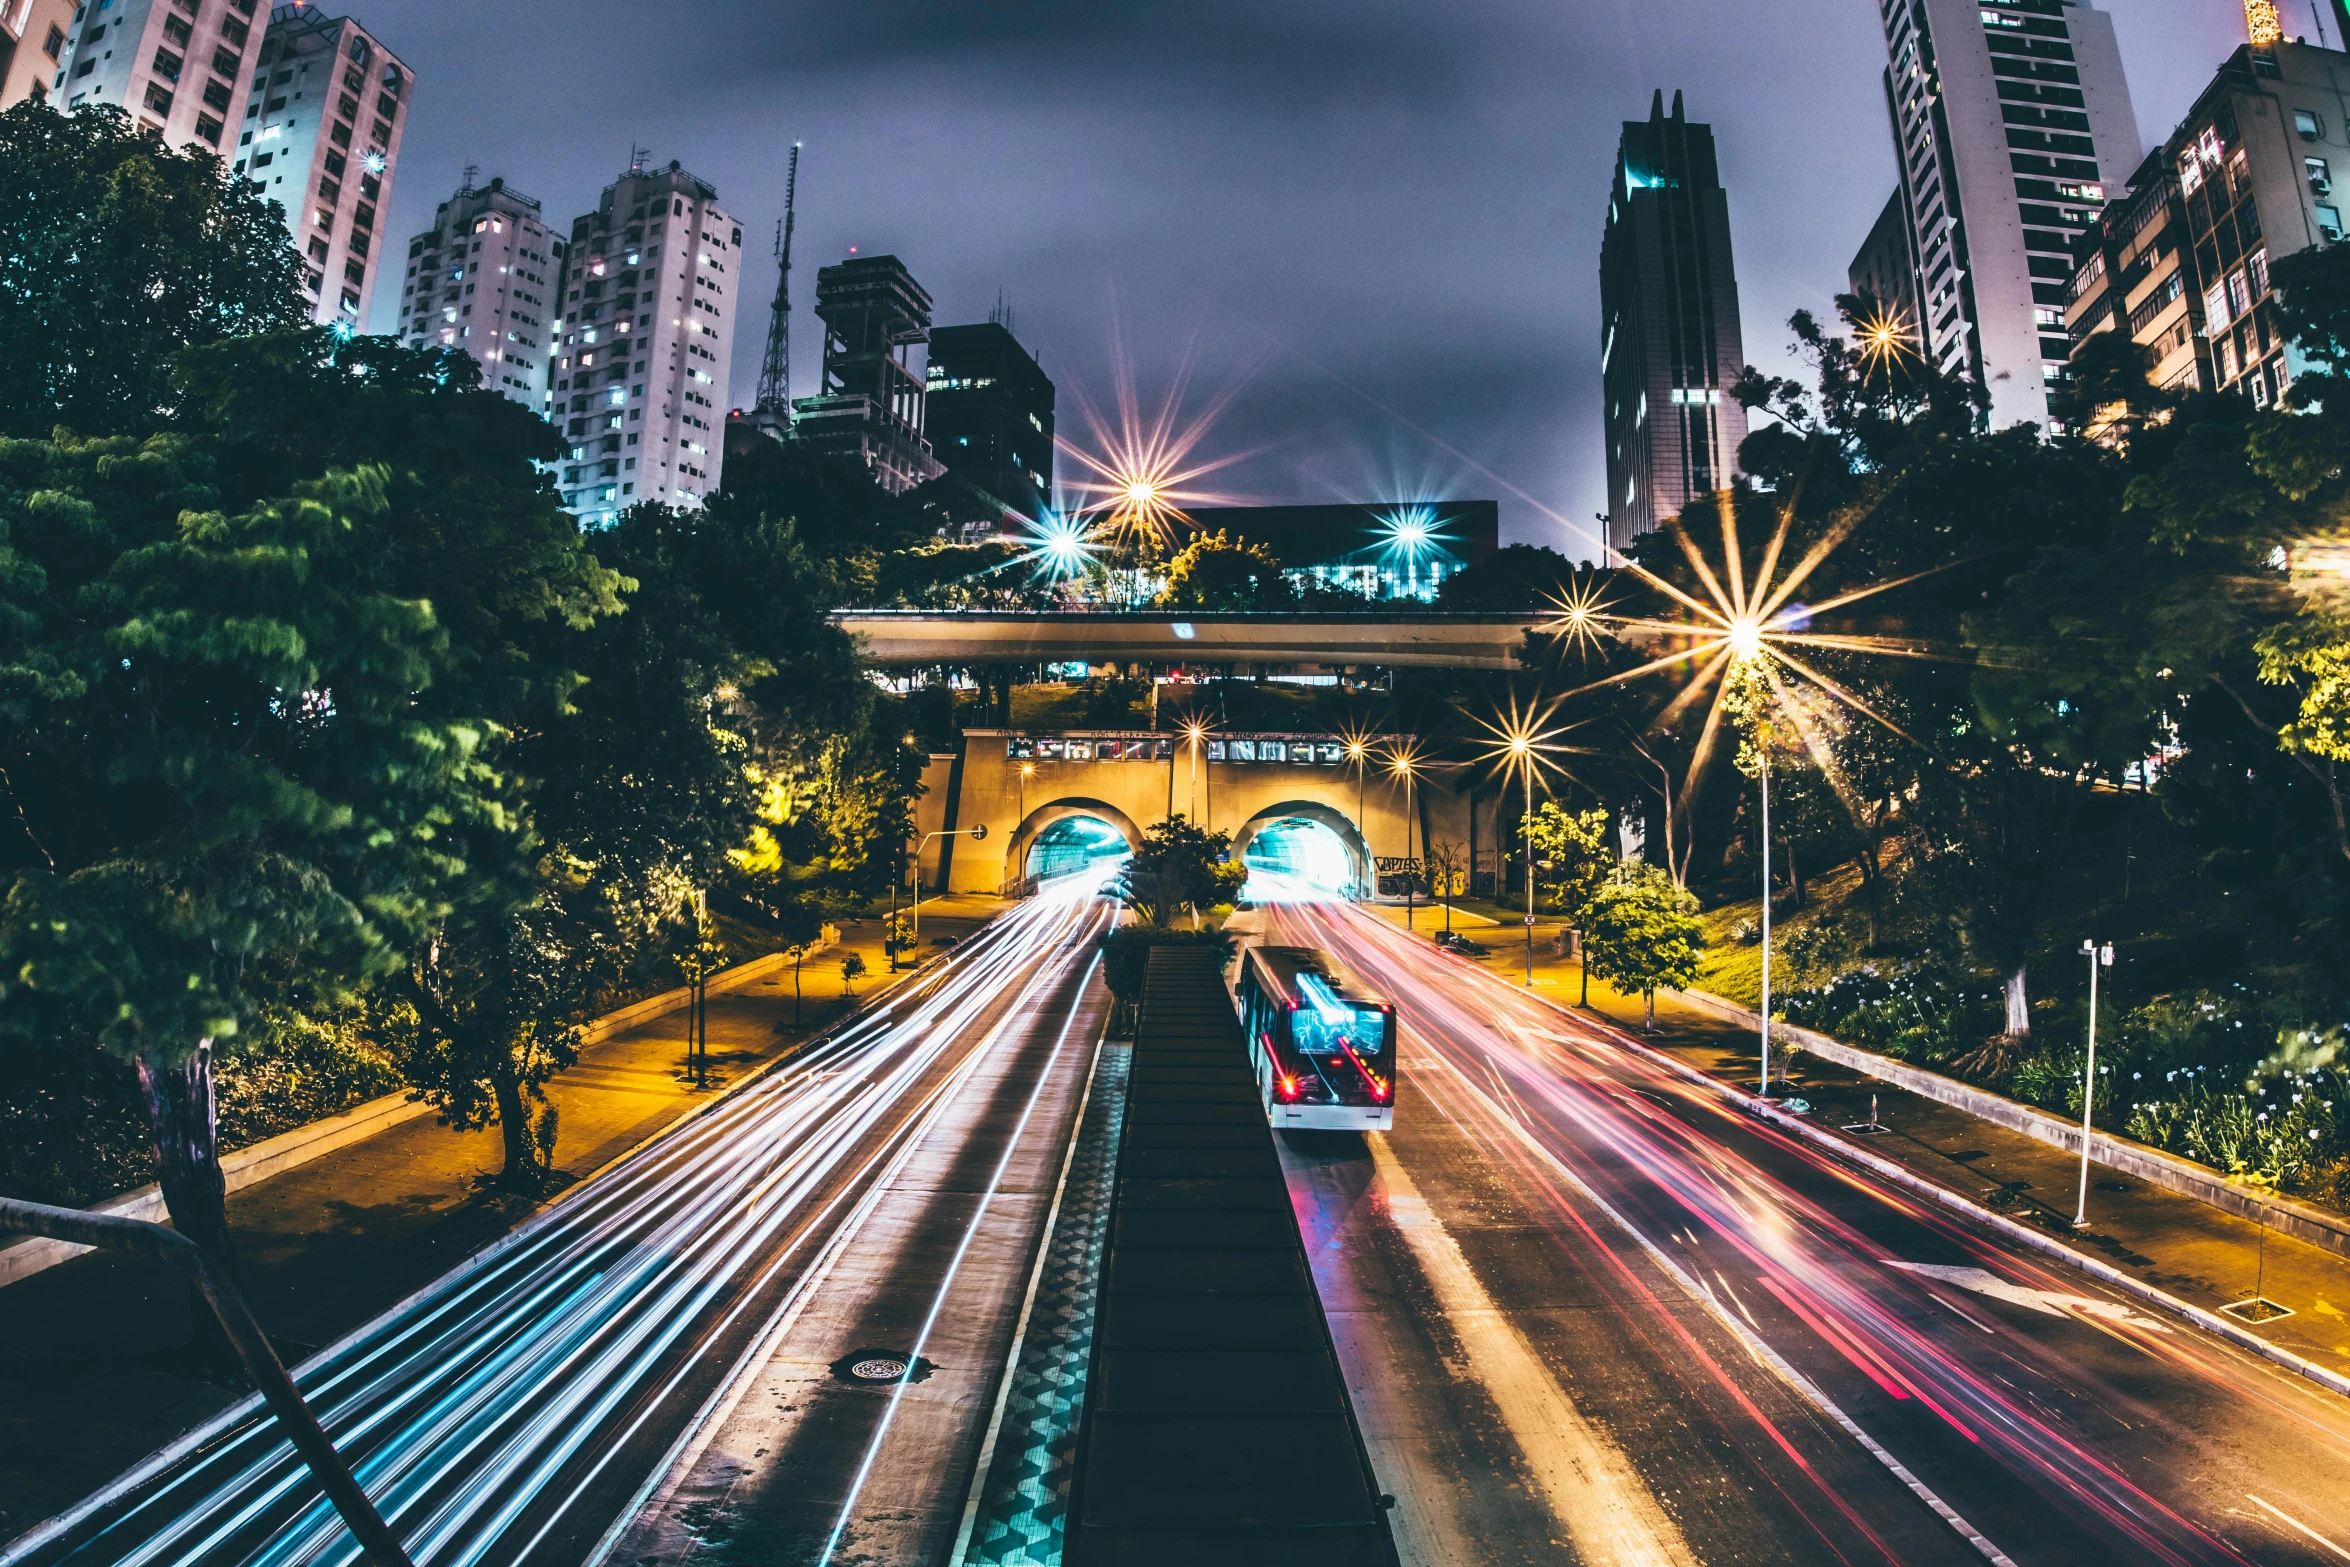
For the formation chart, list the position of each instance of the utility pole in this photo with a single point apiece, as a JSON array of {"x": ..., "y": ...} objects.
[
  {"x": 2099, "y": 957},
  {"x": 774, "y": 404}
]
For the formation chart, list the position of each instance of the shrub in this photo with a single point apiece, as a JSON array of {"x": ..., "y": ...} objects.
[{"x": 1126, "y": 961}]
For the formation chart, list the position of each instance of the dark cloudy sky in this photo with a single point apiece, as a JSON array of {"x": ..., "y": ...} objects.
[{"x": 1358, "y": 216}]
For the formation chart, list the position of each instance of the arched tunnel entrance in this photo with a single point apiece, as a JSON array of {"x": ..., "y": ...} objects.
[
  {"x": 1074, "y": 844},
  {"x": 1302, "y": 849}
]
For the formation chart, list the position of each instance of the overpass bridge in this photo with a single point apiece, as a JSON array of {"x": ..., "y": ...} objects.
[
  {"x": 1034, "y": 790},
  {"x": 1381, "y": 636}
]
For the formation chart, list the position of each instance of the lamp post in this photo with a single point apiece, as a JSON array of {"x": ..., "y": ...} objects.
[
  {"x": 1764, "y": 754},
  {"x": 1354, "y": 750},
  {"x": 2099, "y": 957},
  {"x": 1403, "y": 764},
  {"x": 975, "y": 834},
  {"x": 1522, "y": 748}
]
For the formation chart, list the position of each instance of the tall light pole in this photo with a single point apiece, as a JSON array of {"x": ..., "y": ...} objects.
[
  {"x": 1195, "y": 735},
  {"x": 2099, "y": 957},
  {"x": 1763, "y": 752},
  {"x": 1522, "y": 748},
  {"x": 1403, "y": 763},
  {"x": 1354, "y": 751},
  {"x": 975, "y": 834}
]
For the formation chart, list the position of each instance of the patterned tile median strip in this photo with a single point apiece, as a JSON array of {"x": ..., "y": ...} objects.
[{"x": 1025, "y": 1501}]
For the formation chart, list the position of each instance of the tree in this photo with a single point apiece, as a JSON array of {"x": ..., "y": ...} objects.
[
  {"x": 1514, "y": 577},
  {"x": 1214, "y": 571},
  {"x": 1571, "y": 853},
  {"x": 121, "y": 253},
  {"x": 1447, "y": 860},
  {"x": 852, "y": 969},
  {"x": 228, "y": 795},
  {"x": 1643, "y": 932},
  {"x": 1179, "y": 866}
]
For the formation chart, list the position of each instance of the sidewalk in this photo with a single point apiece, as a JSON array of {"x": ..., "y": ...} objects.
[
  {"x": 93, "y": 1380},
  {"x": 2194, "y": 1251}
]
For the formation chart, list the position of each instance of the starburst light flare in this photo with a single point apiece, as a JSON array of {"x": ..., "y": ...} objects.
[
  {"x": 1059, "y": 546},
  {"x": 1136, "y": 473},
  {"x": 1580, "y": 614},
  {"x": 1885, "y": 337}
]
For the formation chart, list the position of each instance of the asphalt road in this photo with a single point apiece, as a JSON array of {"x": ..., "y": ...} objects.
[
  {"x": 521, "y": 1408},
  {"x": 1591, "y": 1310}
]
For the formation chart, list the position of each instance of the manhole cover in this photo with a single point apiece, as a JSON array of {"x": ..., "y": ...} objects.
[{"x": 880, "y": 1368}]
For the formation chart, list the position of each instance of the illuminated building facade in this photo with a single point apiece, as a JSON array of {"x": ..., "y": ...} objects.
[
  {"x": 2249, "y": 176},
  {"x": 180, "y": 68},
  {"x": 1670, "y": 348},
  {"x": 482, "y": 279},
  {"x": 2011, "y": 124},
  {"x": 322, "y": 138},
  {"x": 989, "y": 413},
  {"x": 1386, "y": 550},
  {"x": 643, "y": 340}
]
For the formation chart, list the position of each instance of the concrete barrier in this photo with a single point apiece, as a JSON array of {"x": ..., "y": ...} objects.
[
  {"x": 2286, "y": 1216},
  {"x": 298, "y": 1147}
]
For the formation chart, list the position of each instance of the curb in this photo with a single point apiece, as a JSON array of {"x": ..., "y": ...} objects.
[{"x": 2106, "y": 1273}]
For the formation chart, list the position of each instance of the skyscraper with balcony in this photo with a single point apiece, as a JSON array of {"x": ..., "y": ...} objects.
[
  {"x": 322, "y": 138},
  {"x": 2011, "y": 122},
  {"x": 35, "y": 36},
  {"x": 177, "y": 67},
  {"x": 871, "y": 408},
  {"x": 482, "y": 280},
  {"x": 1670, "y": 348},
  {"x": 644, "y": 336}
]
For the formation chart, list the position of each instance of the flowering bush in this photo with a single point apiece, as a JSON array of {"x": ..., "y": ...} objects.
[{"x": 1924, "y": 1012}]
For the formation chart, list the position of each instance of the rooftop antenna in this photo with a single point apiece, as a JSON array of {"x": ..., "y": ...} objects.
[
  {"x": 471, "y": 169},
  {"x": 636, "y": 158},
  {"x": 774, "y": 404}
]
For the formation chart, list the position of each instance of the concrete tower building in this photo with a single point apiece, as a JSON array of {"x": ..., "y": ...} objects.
[
  {"x": 35, "y": 36},
  {"x": 645, "y": 335},
  {"x": 989, "y": 411},
  {"x": 177, "y": 67},
  {"x": 2011, "y": 123},
  {"x": 1669, "y": 347},
  {"x": 322, "y": 137},
  {"x": 483, "y": 279},
  {"x": 871, "y": 408}
]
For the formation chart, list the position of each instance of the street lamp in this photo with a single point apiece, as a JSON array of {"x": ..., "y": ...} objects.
[
  {"x": 1524, "y": 743},
  {"x": 1027, "y": 771},
  {"x": 1521, "y": 749},
  {"x": 1355, "y": 753},
  {"x": 2099, "y": 957},
  {"x": 975, "y": 834},
  {"x": 1404, "y": 764},
  {"x": 1195, "y": 734}
]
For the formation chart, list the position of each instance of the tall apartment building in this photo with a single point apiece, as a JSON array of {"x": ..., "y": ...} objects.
[
  {"x": 988, "y": 406},
  {"x": 177, "y": 67},
  {"x": 2248, "y": 176},
  {"x": 645, "y": 337},
  {"x": 34, "y": 38},
  {"x": 322, "y": 138},
  {"x": 1670, "y": 348},
  {"x": 482, "y": 280},
  {"x": 871, "y": 408},
  {"x": 1883, "y": 268},
  {"x": 2011, "y": 122}
]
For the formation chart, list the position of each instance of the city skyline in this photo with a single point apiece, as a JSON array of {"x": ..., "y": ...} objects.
[{"x": 1471, "y": 235}]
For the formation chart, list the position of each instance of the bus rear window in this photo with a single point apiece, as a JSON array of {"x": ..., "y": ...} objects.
[{"x": 1328, "y": 1024}]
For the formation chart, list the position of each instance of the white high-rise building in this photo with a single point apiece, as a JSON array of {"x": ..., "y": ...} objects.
[
  {"x": 2012, "y": 123},
  {"x": 322, "y": 138},
  {"x": 483, "y": 279},
  {"x": 177, "y": 67},
  {"x": 646, "y": 334}
]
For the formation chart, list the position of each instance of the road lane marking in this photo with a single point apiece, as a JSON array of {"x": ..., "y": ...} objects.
[
  {"x": 1593, "y": 1491},
  {"x": 2296, "y": 1523},
  {"x": 2051, "y": 1302}
]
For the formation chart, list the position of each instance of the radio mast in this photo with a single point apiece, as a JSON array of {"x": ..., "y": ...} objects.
[{"x": 774, "y": 408}]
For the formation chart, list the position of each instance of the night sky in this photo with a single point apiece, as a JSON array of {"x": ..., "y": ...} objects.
[{"x": 1374, "y": 224}]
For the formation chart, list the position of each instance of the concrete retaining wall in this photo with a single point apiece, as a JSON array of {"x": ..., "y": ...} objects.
[
  {"x": 320, "y": 1138},
  {"x": 2283, "y": 1214}
]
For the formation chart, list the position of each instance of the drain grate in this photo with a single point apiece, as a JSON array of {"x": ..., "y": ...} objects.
[{"x": 880, "y": 1368}]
